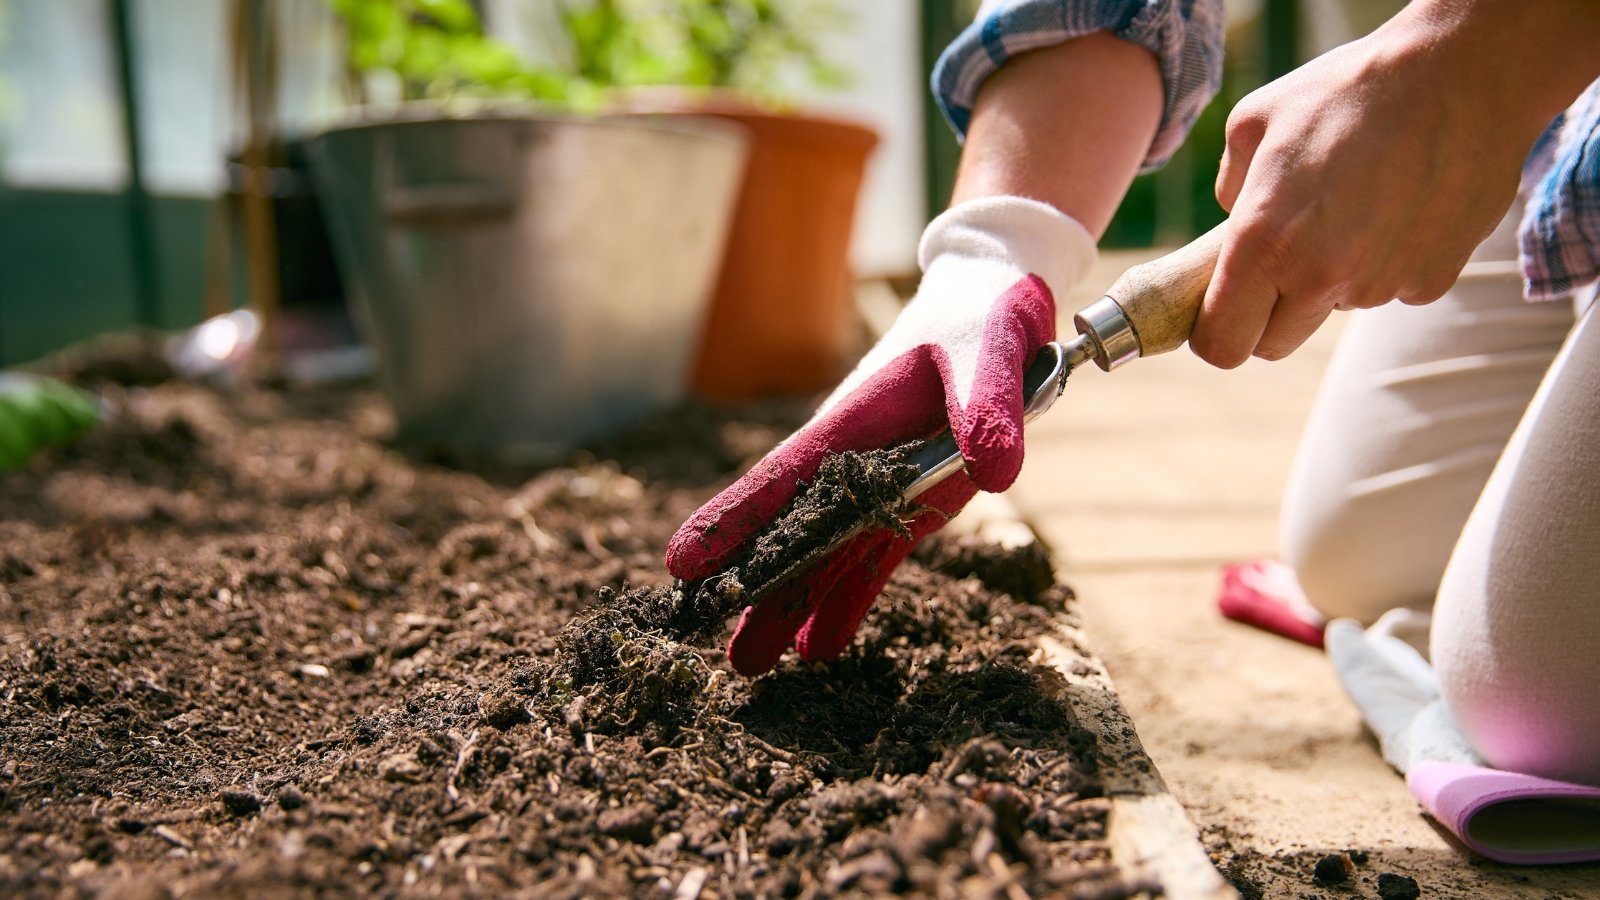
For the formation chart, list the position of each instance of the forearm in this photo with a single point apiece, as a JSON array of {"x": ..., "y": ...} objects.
[
  {"x": 1519, "y": 63},
  {"x": 1067, "y": 124}
]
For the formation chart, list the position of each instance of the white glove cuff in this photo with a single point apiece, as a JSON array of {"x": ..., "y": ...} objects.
[{"x": 1030, "y": 236}]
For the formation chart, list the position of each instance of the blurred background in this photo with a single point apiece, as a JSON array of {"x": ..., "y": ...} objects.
[{"x": 130, "y": 129}]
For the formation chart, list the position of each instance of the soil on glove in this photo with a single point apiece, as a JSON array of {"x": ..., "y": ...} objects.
[
  {"x": 247, "y": 649},
  {"x": 850, "y": 489}
]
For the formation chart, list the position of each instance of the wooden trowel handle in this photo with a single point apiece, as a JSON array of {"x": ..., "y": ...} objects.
[{"x": 1152, "y": 307}]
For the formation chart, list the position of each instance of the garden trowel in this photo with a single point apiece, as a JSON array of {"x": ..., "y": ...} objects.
[{"x": 1151, "y": 309}]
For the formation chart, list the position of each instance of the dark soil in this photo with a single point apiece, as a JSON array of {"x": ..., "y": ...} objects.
[
  {"x": 246, "y": 648},
  {"x": 1335, "y": 868},
  {"x": 849, "y": 488},
  {"x": 1398, "y": 887},
  {"x": 1340, "y": 874}
]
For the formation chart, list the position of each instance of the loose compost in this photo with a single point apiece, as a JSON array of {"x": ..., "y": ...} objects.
[{"x": 248, "y": 648}]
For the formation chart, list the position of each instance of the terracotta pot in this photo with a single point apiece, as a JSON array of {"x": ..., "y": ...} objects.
[{"x": 780, "y": 314}]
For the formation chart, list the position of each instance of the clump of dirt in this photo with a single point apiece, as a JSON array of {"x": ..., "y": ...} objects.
[
  {"x": 630, "y": 641},
  {"x": 1334, "y": 868},
  {"x": 127, "y": 359},
  {"x": 641, "y": 677},
  {"x": 1398, "y": 887},
  {"x": 1253, "y": 874},
  {"x": 1024, "y": 572},
  {"x": 849, "y": 488},
  {"x": 247, "y": 648}
]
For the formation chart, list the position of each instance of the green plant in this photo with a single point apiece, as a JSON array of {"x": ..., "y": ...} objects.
[
  {"x": 756, "y": 45},
  {"x": 437, "y": 49},
  {"x": 433, "y": 49},
  {"x": 40, "y": 412}
]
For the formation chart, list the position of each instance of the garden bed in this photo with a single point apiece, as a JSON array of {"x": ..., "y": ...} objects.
[{"x": 247, "y": 648}]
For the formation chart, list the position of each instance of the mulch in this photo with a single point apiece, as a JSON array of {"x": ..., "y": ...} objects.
[{"x": 247, "y": 647}]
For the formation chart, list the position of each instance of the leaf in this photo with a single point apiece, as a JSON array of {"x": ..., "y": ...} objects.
[
  {"x": 438, "y": 48},
  {"x": 40, "y": 412},
  {"x": 451, "y": 15}
]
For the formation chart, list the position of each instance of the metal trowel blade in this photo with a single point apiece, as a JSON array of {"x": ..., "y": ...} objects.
[{"x": 938, "y": 458}]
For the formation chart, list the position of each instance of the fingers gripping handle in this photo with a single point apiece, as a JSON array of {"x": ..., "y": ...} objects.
[{"x": 1152, "y": 307}]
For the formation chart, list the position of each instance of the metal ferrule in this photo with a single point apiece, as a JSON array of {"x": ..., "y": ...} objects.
[{"x": 1114, "y": 339}]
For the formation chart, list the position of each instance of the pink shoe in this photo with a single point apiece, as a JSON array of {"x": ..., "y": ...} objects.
[{"x": 1263, "y": 593}]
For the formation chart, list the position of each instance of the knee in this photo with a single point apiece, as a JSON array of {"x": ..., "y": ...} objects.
[
  {"x": 1327, "y": 561},
  {"x": 1525, "y": 705},
  {"x": 1352, "y": 561}
]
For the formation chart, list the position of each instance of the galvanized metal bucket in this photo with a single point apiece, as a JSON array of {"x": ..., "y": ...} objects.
[{"x": 530, "y": 283}]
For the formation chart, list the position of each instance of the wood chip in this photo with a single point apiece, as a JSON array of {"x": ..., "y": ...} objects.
[
  {"x": 1013, "y": 890},
  {"x": 691, "y": 885},
  {"x": 171, "y": 837},
  {"x": 462, "y": 756}
]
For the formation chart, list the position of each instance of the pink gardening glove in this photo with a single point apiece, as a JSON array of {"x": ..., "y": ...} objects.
[{"x": 955, "y": 357}]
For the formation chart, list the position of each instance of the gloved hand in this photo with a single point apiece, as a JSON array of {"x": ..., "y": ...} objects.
[
  {"x": 955, "y": 356},
  {"x": 1395, "y": 688}
]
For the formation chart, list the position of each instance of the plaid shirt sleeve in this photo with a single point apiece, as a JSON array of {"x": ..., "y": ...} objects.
[
  {"x": 1185, "y": 35},
  {"x": 1561, "y": 180}
]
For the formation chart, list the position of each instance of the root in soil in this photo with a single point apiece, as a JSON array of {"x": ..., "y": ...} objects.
[{"x": 246, "y": 648}]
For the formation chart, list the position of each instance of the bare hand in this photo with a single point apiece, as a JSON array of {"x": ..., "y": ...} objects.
[{"x": 1369, "y": 174}]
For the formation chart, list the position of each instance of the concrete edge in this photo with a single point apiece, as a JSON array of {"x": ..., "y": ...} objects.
[{"x": 1150, "y": 834}]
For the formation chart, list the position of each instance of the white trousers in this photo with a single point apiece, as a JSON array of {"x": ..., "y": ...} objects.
[{"x": 1452, "y": 463}]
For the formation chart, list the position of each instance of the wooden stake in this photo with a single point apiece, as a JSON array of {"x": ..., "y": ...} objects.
[{"x": 256, "y": 77}]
